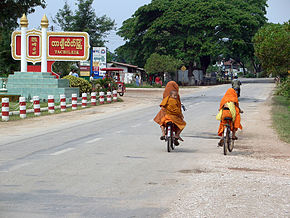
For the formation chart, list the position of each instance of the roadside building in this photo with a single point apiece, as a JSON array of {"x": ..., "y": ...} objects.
[{"x": 130, "y": 73}]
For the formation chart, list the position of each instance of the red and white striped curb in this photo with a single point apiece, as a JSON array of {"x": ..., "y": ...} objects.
[
  {"x": 84, "y": 100},
  {"x": 74, "y": 101},
  {"x": 22, "y": 107},
  {"x": 115, "y": 97},
  {"x": 109, "y": 97},
  {"x": 36, "y": 105},
  {"x": 102, "y": 97},
  {"x": 62, "y": 103},
  {"x": 5, "y": 109},
  {"x": 51, "y": 104},
  {"x": 93, "y": 99}
]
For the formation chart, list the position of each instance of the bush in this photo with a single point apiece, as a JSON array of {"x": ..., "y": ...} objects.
[
  {"x": 283, "y": 88},
  {"x": 250, "y": 75},
  {"x": 84, "y": 85},
  {"x": 104, "y": 85}
]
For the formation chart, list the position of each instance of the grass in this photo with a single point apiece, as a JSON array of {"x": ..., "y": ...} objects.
[{"x": 281, "y": 117}]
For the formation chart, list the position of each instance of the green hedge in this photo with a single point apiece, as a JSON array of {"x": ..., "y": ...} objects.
[
  {"x": 84, "y": 85},
  {"x": 283, "y": 88}
]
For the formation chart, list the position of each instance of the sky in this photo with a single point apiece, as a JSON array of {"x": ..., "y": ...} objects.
[{"x": 120, "y": 10}]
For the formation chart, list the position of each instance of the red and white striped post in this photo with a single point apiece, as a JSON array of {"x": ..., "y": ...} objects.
[
  {"x": 115, "y": 97},
  {"x": 84, "y": 100},
  {"x": 36, "y": 105},
  {"x": 74, "y": 101},
  {"x": 51, "y": 104},
  {"x": 101, "y": 97},
  {"x": 62, "y": 103},
  {"x": 5, "y": 109},
  {"x": 93, "y": 99},
  {"x": 109, "y": 97},
  {"x": 22, "y": 107}
]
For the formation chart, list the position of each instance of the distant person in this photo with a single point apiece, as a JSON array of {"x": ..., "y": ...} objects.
[
  {"x": 71, "y": 72},
  {"x": 172, "y": 107},
  {"x": 236, "y": 85},
  {"x": 158, "y": 80},
  {"x": 137, "y": 80},
  {"x": 75, "y": 73},
  {"x": 229, "y": 107}
]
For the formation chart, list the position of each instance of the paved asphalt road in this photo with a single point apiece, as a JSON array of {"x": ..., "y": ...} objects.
[{"x": 111, "y": 167}]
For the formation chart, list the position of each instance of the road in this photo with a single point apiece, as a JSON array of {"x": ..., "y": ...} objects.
[{"x": 113, "y": 166}]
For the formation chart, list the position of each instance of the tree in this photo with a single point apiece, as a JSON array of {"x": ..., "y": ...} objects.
[
  {"x": 159, "y": 64},
  {"x": 10, "y": 11},
  {"x": 84, "y": 19},
  {"x": 191, "y": 30},
  {"x": 273, "y": 49}
]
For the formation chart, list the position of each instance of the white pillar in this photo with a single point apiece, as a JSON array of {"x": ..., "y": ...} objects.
[
  {"x": 44, "y": 26},
  {"x": 23, "y": 24}
]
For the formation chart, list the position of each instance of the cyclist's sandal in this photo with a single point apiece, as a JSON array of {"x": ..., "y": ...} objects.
[
  {"x": 179, "y": 138},
  {"x": 221, "y": 142},
  {"x": 235, "y": 138},
  {"x": 162, "y": 137},
  {"x": 176, "y": 143}
]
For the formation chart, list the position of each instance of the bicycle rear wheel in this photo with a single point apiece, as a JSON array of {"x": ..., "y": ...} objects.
[
  {"x": 226, "y": 140},
  {"x": 169, "y": 142}
]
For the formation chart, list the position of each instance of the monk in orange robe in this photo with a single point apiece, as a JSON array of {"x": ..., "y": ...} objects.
[
  {"x": 230, "y": 96},
  {"x": 172, "y": 107},
  {"x": 172, "y": 85}
]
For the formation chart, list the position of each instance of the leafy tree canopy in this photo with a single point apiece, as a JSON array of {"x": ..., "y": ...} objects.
[
  {"x": 272, "y": 47},
  {"x": 84, "y": 19},
  {"x": 10, "y": 11},
  {"x": 191, "y": 30},
  {"x": 157, "y": 64}
]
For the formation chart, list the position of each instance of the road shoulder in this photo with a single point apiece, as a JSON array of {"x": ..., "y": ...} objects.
[{"x": 251, "y": 182}]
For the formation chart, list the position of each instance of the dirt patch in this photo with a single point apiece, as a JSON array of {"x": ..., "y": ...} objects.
[
  {"x": 245, "y": 169},
  {"x": 197, "y": 171}
]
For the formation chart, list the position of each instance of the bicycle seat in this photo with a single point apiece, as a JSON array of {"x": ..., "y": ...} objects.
[
  {"x": 169, "y": 123},
  {"x": 228, "y": 118}
]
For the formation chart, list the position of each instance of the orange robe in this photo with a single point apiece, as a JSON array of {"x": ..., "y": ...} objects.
[
  {"x": 172, "y": 112},
  {"x": 169, "y": 87},
  {"x": 230, "y": 96}
]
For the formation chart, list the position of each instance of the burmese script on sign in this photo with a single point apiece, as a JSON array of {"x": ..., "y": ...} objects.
[{"x": 66, "y": 46}]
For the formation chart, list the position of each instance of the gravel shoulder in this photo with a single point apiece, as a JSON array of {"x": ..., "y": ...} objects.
[{"x": 253, "y": 181}]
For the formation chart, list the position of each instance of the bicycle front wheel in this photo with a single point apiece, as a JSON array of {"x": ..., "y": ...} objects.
[{"x": 231, "y": 144}]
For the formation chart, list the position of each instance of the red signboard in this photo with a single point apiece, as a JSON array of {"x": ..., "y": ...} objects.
[
  {"x": 61, "y": 46},
  {"x": 18, "y": 45},
  {"x": 66, "y": 46},
  {"x": 33, "y": 45}
]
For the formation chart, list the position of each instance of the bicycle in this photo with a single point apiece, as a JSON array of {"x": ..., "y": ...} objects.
[
  {"x": 170, "y": 135},
  {"x": 228, "y": 143}
]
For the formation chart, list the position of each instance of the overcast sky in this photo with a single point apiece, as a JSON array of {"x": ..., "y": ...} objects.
[{"x": 120, "y": 10}]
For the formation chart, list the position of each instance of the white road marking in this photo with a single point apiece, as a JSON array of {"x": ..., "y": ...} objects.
[
  {"x": 118, "y": 132},
  {"x": 16, "y": 167},
  {"x": 134, "y": 126},
  {"x": 62, "y": 151},
  {"x": 93, "y": 140}
]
